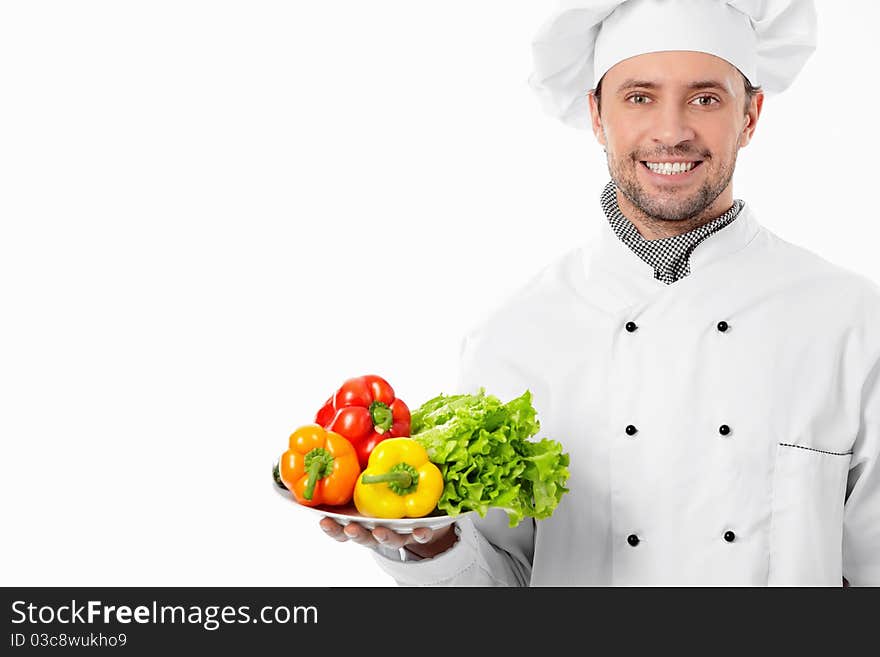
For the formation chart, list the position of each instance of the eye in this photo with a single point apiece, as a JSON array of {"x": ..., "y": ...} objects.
[
  {"x": 637, "y": 96},
  {"x": 707, "y": 98}
]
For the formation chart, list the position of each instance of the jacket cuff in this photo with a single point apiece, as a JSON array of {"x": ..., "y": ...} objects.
[{"x": 446, "y": 566}]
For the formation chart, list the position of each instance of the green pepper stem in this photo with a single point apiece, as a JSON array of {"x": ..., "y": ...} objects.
[
  {"x": 314, "y": 474},
  {"x": 401, "y": 477},
  {"x": 382, "y": 417},
  {"x": 319, "y": 464}
]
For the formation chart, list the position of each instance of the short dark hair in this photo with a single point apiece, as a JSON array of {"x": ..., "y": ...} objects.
[{"x": 750, "y": 93}]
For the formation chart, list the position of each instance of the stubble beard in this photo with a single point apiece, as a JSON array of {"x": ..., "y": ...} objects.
[{"x": 669, "y": 205}]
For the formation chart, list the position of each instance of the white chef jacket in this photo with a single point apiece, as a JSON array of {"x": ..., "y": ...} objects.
[{"x": 702, "y": 453}]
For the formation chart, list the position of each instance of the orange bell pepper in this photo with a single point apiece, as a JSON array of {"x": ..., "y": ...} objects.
[{"x": 320, "y": 467}]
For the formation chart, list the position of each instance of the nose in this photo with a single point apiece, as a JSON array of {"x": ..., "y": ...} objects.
[{"x": 672, "y": 126}]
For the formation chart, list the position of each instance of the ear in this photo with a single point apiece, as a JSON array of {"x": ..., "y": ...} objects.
[
  {"x": 751, "y": 119},
  {"x": 596, "y": 120}
]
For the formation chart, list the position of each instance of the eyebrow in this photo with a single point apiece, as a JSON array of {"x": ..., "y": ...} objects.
[{"x": 632, "y": 83}]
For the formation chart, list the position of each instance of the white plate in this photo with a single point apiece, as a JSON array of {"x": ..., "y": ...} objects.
[{"x": 346, "y": 514}]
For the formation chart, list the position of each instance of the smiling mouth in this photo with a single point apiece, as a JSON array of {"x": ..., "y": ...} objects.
[{"x": 672, "y": 171}]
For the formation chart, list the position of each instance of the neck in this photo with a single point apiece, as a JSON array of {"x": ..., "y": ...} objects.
[{"x": 652, "y": 228}]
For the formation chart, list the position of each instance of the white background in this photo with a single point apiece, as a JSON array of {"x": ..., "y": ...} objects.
[{"x": 213, "y": 213}]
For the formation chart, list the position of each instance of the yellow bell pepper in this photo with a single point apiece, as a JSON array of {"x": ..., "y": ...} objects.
[{"x": 398, "y": 482}]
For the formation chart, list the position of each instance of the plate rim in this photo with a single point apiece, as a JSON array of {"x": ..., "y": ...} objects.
[{"x": 399, "y": 525}]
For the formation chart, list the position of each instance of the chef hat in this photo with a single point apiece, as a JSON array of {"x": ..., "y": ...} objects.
[{"x": 769, "y": 41}]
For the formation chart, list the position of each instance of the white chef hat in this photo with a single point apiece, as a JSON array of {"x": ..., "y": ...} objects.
[{"x": 769, "y": 41}]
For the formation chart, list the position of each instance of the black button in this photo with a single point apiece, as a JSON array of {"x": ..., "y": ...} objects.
[
  {"x": 631, "y": 326},
  {"x": 630, "y": 430},
  {"x": 724, "y": 429},
  {"x": 723, "y": 326},
  {"x": 729, "y": 536},
  {"x": 632, "y": 539}
]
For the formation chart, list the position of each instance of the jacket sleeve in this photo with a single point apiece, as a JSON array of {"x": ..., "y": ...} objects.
[
  {"x": 488, "y": 552},
  {"x": 861, "y": 523}
]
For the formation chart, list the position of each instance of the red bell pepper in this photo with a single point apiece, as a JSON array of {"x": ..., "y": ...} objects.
[{"x": 365, "y": 411}]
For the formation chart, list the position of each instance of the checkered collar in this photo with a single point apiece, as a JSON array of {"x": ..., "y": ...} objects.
[{"x": 670, "y": 256}]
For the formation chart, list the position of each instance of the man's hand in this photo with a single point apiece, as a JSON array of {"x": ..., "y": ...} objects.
[{"x": 424, "y": 542}]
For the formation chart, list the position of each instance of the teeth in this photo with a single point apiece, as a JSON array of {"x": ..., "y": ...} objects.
[{"x": 670, "y": 169}]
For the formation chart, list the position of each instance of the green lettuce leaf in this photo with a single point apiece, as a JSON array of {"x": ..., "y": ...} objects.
[{"x": 482, "y": 448}]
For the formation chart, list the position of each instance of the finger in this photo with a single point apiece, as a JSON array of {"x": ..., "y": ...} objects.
[
  {"x": 333, "y": 529},
  {"x": 387, "y": 538},
  {"x": 422, "y": 534},
  {"x": 359, "y": 535}
]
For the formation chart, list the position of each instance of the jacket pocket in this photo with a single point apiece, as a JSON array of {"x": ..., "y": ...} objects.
[{"x": 806, "y": 523}]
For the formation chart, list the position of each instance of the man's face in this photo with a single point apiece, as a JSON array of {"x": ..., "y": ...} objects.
[{"x": 653, "y": 113}]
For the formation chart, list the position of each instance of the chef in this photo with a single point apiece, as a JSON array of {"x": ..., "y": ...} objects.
[{"x": 717, "y": 388}]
